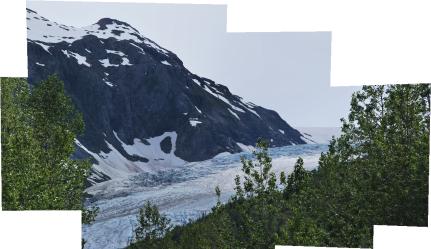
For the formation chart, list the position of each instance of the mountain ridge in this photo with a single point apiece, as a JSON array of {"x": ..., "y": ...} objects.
[{"x": 143, "y": 110}]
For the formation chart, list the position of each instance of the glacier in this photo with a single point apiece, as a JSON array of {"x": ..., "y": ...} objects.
[{"x": 183, "y": 193}]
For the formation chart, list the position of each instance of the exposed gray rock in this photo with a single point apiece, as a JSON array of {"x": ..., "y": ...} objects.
[{"x": 139, "y": 91}]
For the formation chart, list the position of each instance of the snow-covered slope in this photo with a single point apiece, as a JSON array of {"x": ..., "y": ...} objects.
[
  {"x": 44, "y": 30},
  {"x": 143, "y": 110}
]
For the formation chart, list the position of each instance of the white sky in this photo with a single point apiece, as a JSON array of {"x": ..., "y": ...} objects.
[{"x": 286, "y": 72}]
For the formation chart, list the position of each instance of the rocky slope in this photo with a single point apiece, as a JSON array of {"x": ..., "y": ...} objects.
[{"x": 143, "y": 110}]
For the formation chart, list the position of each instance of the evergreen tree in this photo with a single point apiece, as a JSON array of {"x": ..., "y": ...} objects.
[
  {"x": 218, "y": 194},
  {"x": 296, "y": 179}
]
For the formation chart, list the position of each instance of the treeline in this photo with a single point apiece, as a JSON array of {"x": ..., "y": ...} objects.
[
  {"x": 38, "y": 128},
  {"x": 375, "y": 173}
]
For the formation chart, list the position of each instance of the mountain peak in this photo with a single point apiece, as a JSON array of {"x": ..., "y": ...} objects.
[
  {"x": 104, "y": 22},
  {"x": 143, "y": 109},
  {"x": 42, "y": 29}
]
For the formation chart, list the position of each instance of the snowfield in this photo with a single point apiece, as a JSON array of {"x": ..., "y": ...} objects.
[
  {"x": 116, "y": 166},
  {"x": 183, "y": 193}
]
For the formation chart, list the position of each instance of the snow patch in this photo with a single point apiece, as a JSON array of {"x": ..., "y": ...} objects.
[
  {"x": 245, "y": 148},
  {"x": 166, "y": 63},
  {"x": 158, "y": 159},
  {"x": 281, "y": 131},
  {"x": 254, "y": 112},
  {"x": 82, "y": 60},
  {"x": 113, "y": 163},
  {"x": 42, "y": 29},
  {"x": 250, "y": 104},
  {"x": 237, "y": 109},
  {"x": 115, "y": 52},
  {"x": 40, "y": 64},
  {"x": 219, "y": 95},
  {"x": 194, "y": 122},
  {"x": 108, "y": 83},
  {"x": 141, "y": 50},
  {"x": 106, "y": 63},
  {"x": 126, "y": 62},
  {"x": 234, "y": 114},
  {"x": 45, "y": 47},
  {"x": 251, "y": 110},
  {"x": 116, "y": 166},
  {"x": 196, "y": 81},
  {"x": 155, "y": 46},
  {"x": 198, "y": 110}
]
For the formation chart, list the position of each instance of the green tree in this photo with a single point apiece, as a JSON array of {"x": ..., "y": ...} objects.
[
  {"x": 88, "y": 216},
  {"x": 296, "y": 179},
  {"x": 218, "y": 194},
  {"x": 258, "y": 177},
  {"x": 376, "y": 172},
  {"x": 257, "y": 222},
  {"x": 39, "y": 126},
  {"x": 19, "y": 148},
  {"x": 151, "y": 224},
  {"x": 56, "y": 124}
]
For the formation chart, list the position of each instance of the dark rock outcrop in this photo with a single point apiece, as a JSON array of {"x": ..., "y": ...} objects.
[{"x": 131, "y": 90}]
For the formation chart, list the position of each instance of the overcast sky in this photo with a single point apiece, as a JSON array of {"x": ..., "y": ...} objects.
[{"x": 287, "y": 72}]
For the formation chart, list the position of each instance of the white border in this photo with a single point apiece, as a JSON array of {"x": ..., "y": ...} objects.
[
  {"x": 40, "y": 229},
  {"x": 373, "y": 41}
]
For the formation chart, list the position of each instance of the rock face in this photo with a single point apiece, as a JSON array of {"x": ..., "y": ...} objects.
[{"x": 142, "y": 108}]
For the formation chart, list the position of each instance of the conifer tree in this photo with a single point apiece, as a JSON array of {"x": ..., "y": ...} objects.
[{"x": 296, "y": 179}]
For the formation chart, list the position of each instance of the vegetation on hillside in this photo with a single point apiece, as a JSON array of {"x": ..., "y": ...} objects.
[
  {"x": 375, "y": 173},
  {"x": 38, "y": 129}
]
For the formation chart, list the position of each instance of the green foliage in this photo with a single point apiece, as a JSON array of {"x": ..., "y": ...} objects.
[
  {"x": 247, "y": 221},
  {"x": 151, "y": 224},
  {"x": 258, "y": 178},
  {"x": 19, "y": 148},
  {"x": 39, "y": 126},
  {"x": 218, "y": 194},
  {"x": 376, "y": 172},
  {"x": 89, "y": 215},
  {"x": 296, "y": 179}
]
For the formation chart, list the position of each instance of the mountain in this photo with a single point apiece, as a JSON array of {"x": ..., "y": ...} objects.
[{"x": 143, "y": 110}]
